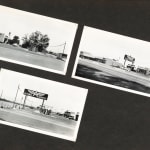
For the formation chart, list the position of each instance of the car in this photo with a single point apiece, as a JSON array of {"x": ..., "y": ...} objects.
[{"x": 131, "y": 67}]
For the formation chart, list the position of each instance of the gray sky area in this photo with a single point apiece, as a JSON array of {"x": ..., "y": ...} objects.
[
  {"x": 60, "y": 96},
  {"x": 20, "y": 23},
  {"x": 105, "y": 44}
]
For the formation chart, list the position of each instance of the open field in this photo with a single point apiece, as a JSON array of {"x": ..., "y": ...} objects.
[
  {"x": 30, "y": 58},
  {"x": 114, "y": 76}
]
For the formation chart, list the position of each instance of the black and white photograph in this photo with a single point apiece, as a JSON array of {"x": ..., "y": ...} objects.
[
  {"x": 114, "y": 61},
  {"x": 36, "y": 41},
  {"x": 41, "y": 105}
]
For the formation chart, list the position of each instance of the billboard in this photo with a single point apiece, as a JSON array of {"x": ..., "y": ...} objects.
[
  {"x": 129, "y": 58},
  {"x": 35, "y": 94}
]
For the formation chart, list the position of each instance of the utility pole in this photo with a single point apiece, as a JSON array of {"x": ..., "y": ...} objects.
[
  {"x": 64, "y": 47},
  {"x": 24, "y": 102},
  {"x": 1, "y": 94},
  {"x": 16, "y": 95}
]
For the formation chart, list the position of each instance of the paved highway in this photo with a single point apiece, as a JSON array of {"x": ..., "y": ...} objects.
[
  {"x": 117, "y": 72},
  {"x": 51, "y": 124},
  {"x": 113, "y": 76}
]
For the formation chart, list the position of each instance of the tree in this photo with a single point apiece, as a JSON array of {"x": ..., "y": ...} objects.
[
  {"x": 36, "y": 41},
  {"x": 26, "y": 43},
  {"x": 15, "y": 40}
]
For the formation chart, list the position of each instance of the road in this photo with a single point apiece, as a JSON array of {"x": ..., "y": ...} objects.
[
  {"x": 52, "y": 124},
  {"x": 29, "y": 58},
  {"x": 112, "y": 76}
]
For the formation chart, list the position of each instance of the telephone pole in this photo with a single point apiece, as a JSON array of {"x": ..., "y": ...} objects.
[
  {"x": 16, "y": 95},
  {"x": 64, "y": 47},
  {"x": 1, "y": 94}
]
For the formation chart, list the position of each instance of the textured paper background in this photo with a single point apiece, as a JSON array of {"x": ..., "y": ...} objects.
[{"x": 112, "y": 119}]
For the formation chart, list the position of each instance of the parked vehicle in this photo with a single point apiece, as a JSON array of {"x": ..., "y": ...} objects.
[
  {"x": 70, "y": 115},
  {"x": 131, "y": 67}
]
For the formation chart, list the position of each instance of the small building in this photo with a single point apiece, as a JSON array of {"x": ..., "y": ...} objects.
[
  {"x": 61, "y": 55},
  {"x": 86, "y": 55},
  {"x": 100, "y": 59},
  {"x": 143, "y": 70},
  {"x": 109, "y": 62}
]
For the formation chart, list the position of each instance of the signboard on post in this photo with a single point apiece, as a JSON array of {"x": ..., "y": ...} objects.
[
  {"x": 129, "y": 58},
  {"x": 35, "y": 94}
]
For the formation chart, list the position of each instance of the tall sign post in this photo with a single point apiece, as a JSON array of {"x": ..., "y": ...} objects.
[
  {"x": 128, "y": 58},
  {"x": 24, "y": 101}
]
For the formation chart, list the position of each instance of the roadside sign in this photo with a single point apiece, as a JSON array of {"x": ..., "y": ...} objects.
[
  {"x": 129, "y": 58},
  {"x": 35, "y": 94}
]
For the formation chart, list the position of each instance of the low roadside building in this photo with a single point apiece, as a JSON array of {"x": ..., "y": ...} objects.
[
  {"x": 143, "y": 70},
  {"x": 109, "y": 62},
  {"x": 86, "y": 55}
]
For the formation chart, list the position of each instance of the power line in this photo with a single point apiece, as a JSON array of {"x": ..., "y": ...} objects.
[{"x": 58, "y": 45}]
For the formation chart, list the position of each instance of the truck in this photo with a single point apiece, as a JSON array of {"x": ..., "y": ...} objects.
[{"x": 71, "y": 115}]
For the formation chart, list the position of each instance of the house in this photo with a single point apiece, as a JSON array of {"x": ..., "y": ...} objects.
[{"x": 143, "y": 70}]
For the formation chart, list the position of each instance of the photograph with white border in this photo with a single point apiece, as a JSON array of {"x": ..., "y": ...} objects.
[
  {"x": 41, "y": 105},
  {"x": 113, "y": 60},
  {"x": 36, "y": 41}
]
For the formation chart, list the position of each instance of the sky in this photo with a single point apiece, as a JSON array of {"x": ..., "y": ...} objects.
[
  {"x": 20, "y": 23},
  {"x": 60, "y": 96},
  {"x": 110, "y": 45}
]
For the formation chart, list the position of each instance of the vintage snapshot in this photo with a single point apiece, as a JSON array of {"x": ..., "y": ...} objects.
[
  {"x": 41, "y": 105},
  {"x": 34, "y": 40},
  {"x": 113, "y": 60}
]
